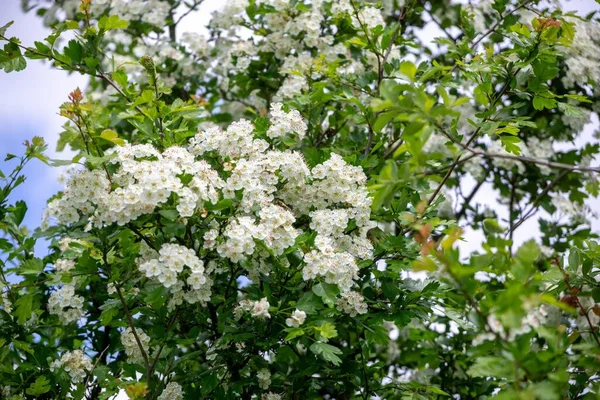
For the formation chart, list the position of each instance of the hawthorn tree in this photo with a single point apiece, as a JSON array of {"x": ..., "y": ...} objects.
[{"x": 246, "y": 211}]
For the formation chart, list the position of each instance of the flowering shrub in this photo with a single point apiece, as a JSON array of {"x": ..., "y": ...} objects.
[{"x": 274, "y": 210}]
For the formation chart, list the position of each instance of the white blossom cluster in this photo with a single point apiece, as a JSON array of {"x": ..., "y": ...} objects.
[
  {"x": 536, "y": 317},
  {"x": 269, "y": 190},
  {"x": 282, "y": 122},
  {"x": 264, "y": 378},
  {"x": 169, "y": 269},
  {"x": 66, "y": 304},
  {"x": 172, "y": 391},
  {"x": 146, "y": 179},
  {"x": 75, "y": 362},
  {"x": 332, "y": 194},
  {"x": 293, "y": 33},
  {"x": 369, "y": 18},
  {"x": 583, "y": 54},
  {"x": 352, "y": 303},
  {"x": 257, "y": 309},
  {"x": 132, "y": 349},
  {"x": 154, "y": 12},
  {"x": 63, "y": 265}
]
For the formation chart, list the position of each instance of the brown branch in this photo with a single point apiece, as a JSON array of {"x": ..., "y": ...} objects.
[
  {"x": 452, "y": 168},
  {"x": 387, "y": 52},
  {"x": 185, "y": 14},
  {"x": 574, "y": 295},
  {"x": 537, "y": 161},
  {"x": 135, "y": 335},
  {"x": 87, "y": 381},
  {"x": 162, "y": 345}
]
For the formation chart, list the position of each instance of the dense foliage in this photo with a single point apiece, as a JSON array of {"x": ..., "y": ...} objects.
[{"x": 274, "y": 210}]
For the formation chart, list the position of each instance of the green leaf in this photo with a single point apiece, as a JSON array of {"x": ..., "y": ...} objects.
[
  {"x": 112, "y": 136},
  {"x": 389, "y": 289},
  {"x": 11, "y": 58},
  {"x": 377, "y": 334},
  {"x": 528, "y": 252},
  {"x": 309, "y": 303},
  {"x": 382, "y": 120},
  {"x": 18, "y": 212},
  {"x": 74, "y": 50},
  {"x": 328, "y": 352},
  {"x": 571, "y": 110},
  {"x": 596, "y": 294},
  {"x": 108, "y": 23},
  {"x": 5, "y": 27},
  {"x": 408, "y": 69},
  {"x": 509, "y": 129},
  {"x": 293, "y": 333},
  {"x": 491, "y": 366},
  {"x": 327, "y": 292},
  {"x": 574, "y": 260},
  {"x": 32, "y": 266},
  {"x": 327, "y": 330},
  {"x": 40, "y": 386},
  {"x": 24, "y": 308},
  {"x": 539, "y": 103},
  {"x": 545, "y": 69},
  {"x": 510, "y": 144}
]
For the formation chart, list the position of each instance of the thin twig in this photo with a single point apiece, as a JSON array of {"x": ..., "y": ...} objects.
[
  {"x": 469, "y": 198},
  {"x": 535, "y": 204},
  {"x": 135, "y": 335},
  {"x": 87, "y": 381},
  {"x": 581, "y": 308}
]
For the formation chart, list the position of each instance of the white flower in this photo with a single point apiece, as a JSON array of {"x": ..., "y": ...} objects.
[
  {"x": 296, "y": 319},
  {"x": 260, "y": 309}
]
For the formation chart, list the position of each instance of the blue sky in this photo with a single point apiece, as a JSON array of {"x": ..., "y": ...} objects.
[{"x": 28, "y": 107}]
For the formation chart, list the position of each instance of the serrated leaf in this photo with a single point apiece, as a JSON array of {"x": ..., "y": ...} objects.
[
  {"x": 510, "y": 144},
  {"x": 11, "y": 58},
  {"x": 74, "y": 50},
  {"x": 491, "y": 366},
  {"x": 32, "y": 266},
  {"x": 328, "y": 352},
  {"x": 108, "y": 23},
  {"x": 24, "y": 308},
  {"x": 40, "y": 386},
  {"x": 327, "y": 330}
]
